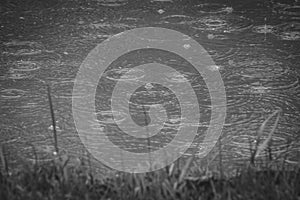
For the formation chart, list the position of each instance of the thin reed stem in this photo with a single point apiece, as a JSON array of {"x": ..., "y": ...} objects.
[
  {"x": 3, "y": 159},
  {"x": 260, "y": 148},
  {"x": 220, "y": 159},
  {"x": 148, "y": 138},
  {"x": 53, "y": 119}
]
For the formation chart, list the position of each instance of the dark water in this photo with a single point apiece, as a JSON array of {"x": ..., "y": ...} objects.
[{"x": 255, "y": 46}]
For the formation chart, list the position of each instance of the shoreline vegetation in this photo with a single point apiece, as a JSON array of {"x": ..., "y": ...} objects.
[{"x": 60, "y": 180}]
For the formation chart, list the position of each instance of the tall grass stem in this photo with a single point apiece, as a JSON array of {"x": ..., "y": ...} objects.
[{"x": 53, "y": 119}]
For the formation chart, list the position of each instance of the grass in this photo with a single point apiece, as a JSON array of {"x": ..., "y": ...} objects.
[
  {"x": 52, "y": 118},
  {"x": 61, "y": 180}
]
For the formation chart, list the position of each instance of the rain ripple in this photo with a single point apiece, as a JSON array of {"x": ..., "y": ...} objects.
[
  {"x": 263, "y": 29},
  {"x": 241, "y": 144},
  {"x": 152, "y": 97},
  {"x": 16, "y": 75},
  {"x": 12, "y": 93},
  {"x": 23, "y": 48},
  {"x": 288, "y": 31},
  {"x": 175, "y": 77},
  {"x": 237, "y": 92},
  {"x": 213, "y": 8},
  {"x": 240, "y": 118},
  {"x": 288, "y": 11},
  {"x": 64, "y": 89},
  {"x": 221, "y": 23},
  {"x": 110, "y": 117},
  {"x": 223, "y": 52},
  {"x": 11, "y": 134},
  {"x": 267, "y": 68},
  {"x": 113, "y": 3},
  {"x": 284, "y": 100},
  {"x": 284, "y": 31},
  {"x": 265, "y": 75},
  {"x": 24, "y": 66},
  {"x": 177, "y": 19},
  {"x": 126, "y": 74}
]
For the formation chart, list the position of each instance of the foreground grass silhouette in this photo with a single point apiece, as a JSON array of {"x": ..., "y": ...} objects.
[{"x": 59, "y": 180}]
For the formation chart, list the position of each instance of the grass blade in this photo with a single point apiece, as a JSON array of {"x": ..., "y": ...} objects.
[
  {"x": 260, "y": 148},
  {"x": 185, "y": 168},
  {"x": 53, "y": 119},
  {"x": 3, "y": 159}
]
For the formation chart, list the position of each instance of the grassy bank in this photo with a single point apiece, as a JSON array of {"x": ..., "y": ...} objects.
[{"x": 59, "y": 180}]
